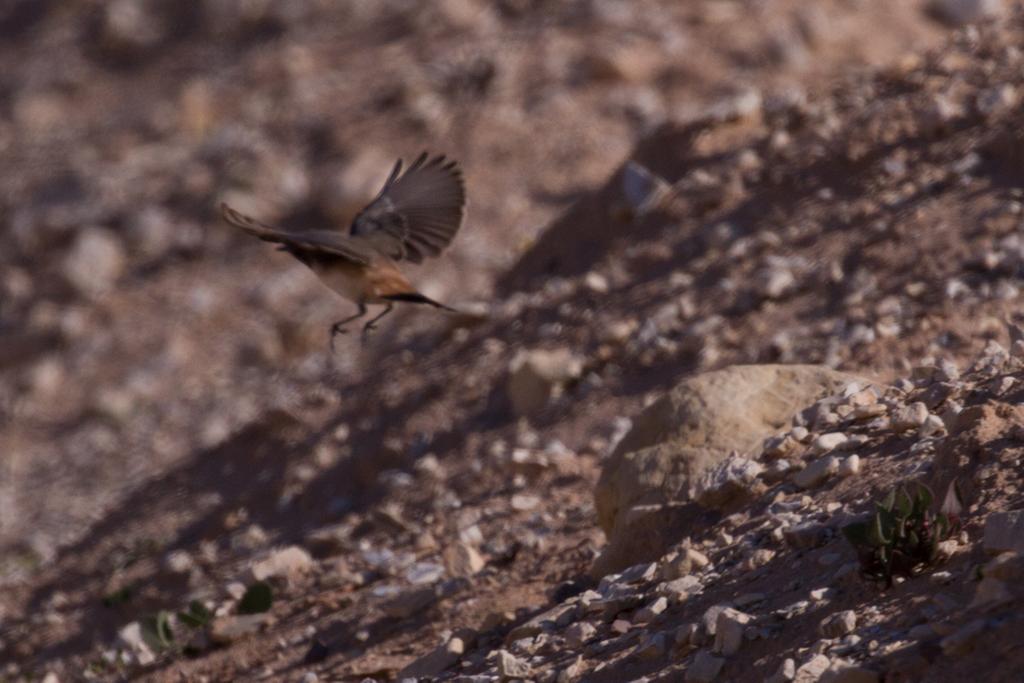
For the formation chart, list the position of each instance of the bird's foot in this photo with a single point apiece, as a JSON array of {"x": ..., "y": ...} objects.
[{"x": 336, "y": 329}]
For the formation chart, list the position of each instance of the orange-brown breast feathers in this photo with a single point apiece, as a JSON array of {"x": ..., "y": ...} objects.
[{"x": 385, "y": 279}]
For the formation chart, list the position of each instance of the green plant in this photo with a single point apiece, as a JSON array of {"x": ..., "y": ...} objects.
[
  {"x": 901, "y": 538},
  {"x": 157, "y": 631},
  {"x": 258, "y": 598},
  {"x": 196, "y": 616}
]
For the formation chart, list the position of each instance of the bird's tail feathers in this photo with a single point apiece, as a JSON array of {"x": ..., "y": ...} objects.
[
  {"x": 417, "y": 298},
  {"x": 249, "y": 224}
]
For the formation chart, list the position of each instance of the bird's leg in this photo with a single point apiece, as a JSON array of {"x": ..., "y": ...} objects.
[
  {"x": 372, "y": 324},
  {"x": 339, "y": 327}
]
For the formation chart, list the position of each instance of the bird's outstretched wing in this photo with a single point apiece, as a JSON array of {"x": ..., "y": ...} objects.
[
  {"x": 417, "y": 213},
  {"x": 306, "y": 242}
]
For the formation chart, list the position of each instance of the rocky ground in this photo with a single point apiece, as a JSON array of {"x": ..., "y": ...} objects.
[{"x": 568, "y": 481}]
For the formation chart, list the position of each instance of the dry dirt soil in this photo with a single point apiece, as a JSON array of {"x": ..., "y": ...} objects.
[{"x": 848, "y": 191}]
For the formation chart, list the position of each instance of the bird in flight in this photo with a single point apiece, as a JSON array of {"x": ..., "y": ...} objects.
[{"x": 415, "y": 215}]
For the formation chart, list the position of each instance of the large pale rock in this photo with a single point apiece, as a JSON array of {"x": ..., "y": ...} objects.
[
  {"x": 728, "y": 482},
  {"x": 690, "y": 430},
  {"x": 646, "y": 532}
]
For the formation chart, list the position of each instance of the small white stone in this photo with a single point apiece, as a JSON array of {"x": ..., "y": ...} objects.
[
  {"x": 131, "y": 637},
  {"x": 579, "y": 633},
  {"x": 849, "y": 467},
  {"x": 686, "y": 562},
  {"x": 910, "y": 417},
  {"x": 596, "y": 282},
  {"x": 729, "y": 631},
  {"x": 462, "y": 559},
  {"x": 932, "y": 425},
  {"x": 95, "y": 261},
  {"x": 510, "y": 666},
  {"x": 828, "y": 442},
  {"x": 839, "y": 624},
  {"x": 288, "y": 564},
  {"x": 652, "y": 610},
  {"x": 801, "y": 434},
  {"x": 816, "y": 473},
  {"x": 785, "y": 672},
  {"x": 812, "y": 669}
]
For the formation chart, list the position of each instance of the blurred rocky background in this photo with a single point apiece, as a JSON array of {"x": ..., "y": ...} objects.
[{"x": 847, "y": 193}]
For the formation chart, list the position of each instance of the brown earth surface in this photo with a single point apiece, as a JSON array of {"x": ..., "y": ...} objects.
[{"x": 848, "y": 192}]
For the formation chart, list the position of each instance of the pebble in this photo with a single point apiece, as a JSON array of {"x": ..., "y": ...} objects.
[
  {"x": 785, "y": 672},
  {"x": 288, "y": 564},
  {"x": 705, "y": 668},
  {"x": 908, "y": 417},
  {"x": 227, "y": 629},
  {"x": 579, "y": 633},
  {"x": 828, "y": 442},
  {"x": 410, "y": 602},
  {"x": 962, "y": 640},
  {"x": 807, "y": 535},
  {"x": 816, "y": 473},
  {"x": 536, "y": 376},
  {"x": 131, "y": 637},
  {"x": 849, "y": 467},
  {"x": 524, "y": 502},
  {"x": 932, "y": 426},
  {"x": 462, "y": 559},
  {"x": 653, "y": 647},
  {"x": 812, "y": 669},
  {"x": 96, "y": 260},
  {"x": 800, "y": 433},
  {"x": 687, "y": 561},
  {"x": 1004, "y": 532},
  {"x": 435, "y": 661},
  {"x": 652, "y": 610},
  {"x": 678, "y": 590},
  {"x": 839, "y": 624},
  {"x": 510, "y": 666},
  {"x": 729, "y": 631},
  {"x": 709, "y": 621}
]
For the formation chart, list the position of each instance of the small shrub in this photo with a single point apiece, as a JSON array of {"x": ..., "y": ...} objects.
[{"x": 901, "y": 538}]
